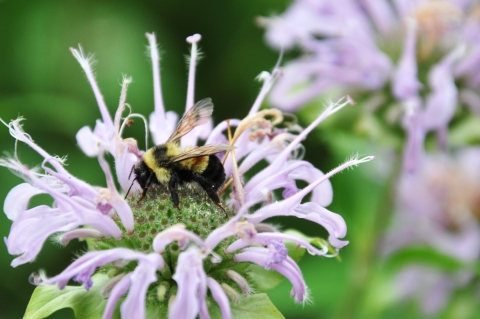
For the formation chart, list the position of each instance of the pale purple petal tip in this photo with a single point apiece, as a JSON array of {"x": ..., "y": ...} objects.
[
  {"x": 141, "y": 278},
  {"x": 286, "y": 267},
  {"x": 18, "y": 198},
  {"x": 220, "y": 297},
  {"x": 189, "y": 276}
]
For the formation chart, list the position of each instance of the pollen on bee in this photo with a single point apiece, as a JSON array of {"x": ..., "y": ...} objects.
[{"x": 199, "y": 164}]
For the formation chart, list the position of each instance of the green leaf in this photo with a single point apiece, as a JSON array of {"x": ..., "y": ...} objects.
[
  {"x": 465, "y": 132},
  {"x": 296, "y": 253},
  {"x": 46, "y": 300},
  {"x": 428, "y": 256},
  {"x": 156, "y": 312},
  {"x": 262, "y": 279},
  {"x": 252, "y": 307}
]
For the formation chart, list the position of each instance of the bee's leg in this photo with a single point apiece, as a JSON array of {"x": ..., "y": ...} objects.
[
  {"x": 211, "y": 191},
  {"x": 172, "y": 187},
  {"x": 145, "y": 189}
]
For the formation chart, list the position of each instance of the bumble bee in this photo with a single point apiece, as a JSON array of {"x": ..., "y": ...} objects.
[{"x": 171, "y": 165}]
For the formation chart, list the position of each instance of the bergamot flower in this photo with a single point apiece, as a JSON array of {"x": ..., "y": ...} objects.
[
  {"x": 437, "y": 211},
  {"x": 187, "y": 262},
  {"x": 408, "y": 62}
]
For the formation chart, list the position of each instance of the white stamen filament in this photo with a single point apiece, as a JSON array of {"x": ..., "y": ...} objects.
[
  {"x": 157, "y": 86},
  {"x": 123, "y": 97},
  {"x": 268, "y": 80},
  {"x": 144, "y": 121},
  {"x": 16, "y": 131},
  {"x": 331, "y": 109},
  {"x": 86, "y": 64},
  {"x": 349, "y": 163},
  {"x": 191, "y": 71}
]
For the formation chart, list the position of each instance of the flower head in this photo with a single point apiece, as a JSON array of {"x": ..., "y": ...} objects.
[
  {"x": 438, "y": 207},
  {"x": 354, "y": 47},
  {"x": 170, "y": 259}
]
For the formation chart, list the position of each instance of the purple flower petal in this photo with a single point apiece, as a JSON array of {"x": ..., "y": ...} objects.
[
  {"x": 162, "y": 128},
  {"x": 277, "y": 252},
  {"x": 32, "y": 227},
  {"x": 265, "y": 238},
  {"x": 113, "y": 198},
  {"x": 265, "y": 150},
  {"x": 351, "y": 62},
  {"x": 89, "y": 143},
  {"x": 85, "y": 278},
  {"x": 117, "y": 292},
  {"x": 414, "y": 146},
  {"x": 333, "y": 223},
  {"x": 381, "y": 13},
  {"x": 220, "y": 297},
  {"x": 286, "y": 267},
  {"x": 66, "y": 237},
  {"x": 273, "y": 173},
  {"x": 127, "y": 155},
  {"x": 141, "y": 278},
  {"x": 95, "y": 259},
  {"x": 442, "y": 102},
  {"x": 175, "y": 233},
  {"x": 244, "y": 229},
  {"x": 191, "y": 280},
  {"x": 405, "y": 82},
  {"x": 18, "y": 198}
]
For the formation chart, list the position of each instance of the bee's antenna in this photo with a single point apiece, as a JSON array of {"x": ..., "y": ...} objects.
[
  {"x": 130, "y": 185},
  {"x": 131, "y": 171}
]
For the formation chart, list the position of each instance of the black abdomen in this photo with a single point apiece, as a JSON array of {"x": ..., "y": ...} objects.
[{"x": 214, "y": 172}]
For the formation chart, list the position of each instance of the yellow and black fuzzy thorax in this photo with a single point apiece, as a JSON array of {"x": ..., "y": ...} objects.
[{"x": 158, "y": 160}]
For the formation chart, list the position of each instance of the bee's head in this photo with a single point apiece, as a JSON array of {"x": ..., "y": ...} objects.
[{"x": 142, "y": 174}]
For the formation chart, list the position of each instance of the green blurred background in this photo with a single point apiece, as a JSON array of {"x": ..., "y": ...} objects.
[{"x": 41, "y": 81}]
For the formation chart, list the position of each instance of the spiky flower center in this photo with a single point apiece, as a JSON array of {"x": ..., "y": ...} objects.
[{"x": 156, "y": 213}]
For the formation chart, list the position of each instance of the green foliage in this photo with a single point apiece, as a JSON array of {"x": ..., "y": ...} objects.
[
  {"x": 46, "y": 300},
  {"x": 252, "y": 307},
  {"x": 427, "y": 256},
  {"x": 85, "y": 304},
  {"x": 262, "y": 279},
  {"x": 465, "y": 132}
]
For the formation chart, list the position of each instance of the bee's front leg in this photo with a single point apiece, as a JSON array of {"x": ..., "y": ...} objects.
[{"x": 145, "y": 189}]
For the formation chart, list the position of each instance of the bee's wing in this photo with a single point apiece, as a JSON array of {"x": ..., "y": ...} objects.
[
  {"x": 197, "y": 115},
  {"x": 201, "y": 151}
]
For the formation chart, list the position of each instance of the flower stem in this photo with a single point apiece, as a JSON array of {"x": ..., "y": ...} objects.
[{"x": 364, "y": 259}]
